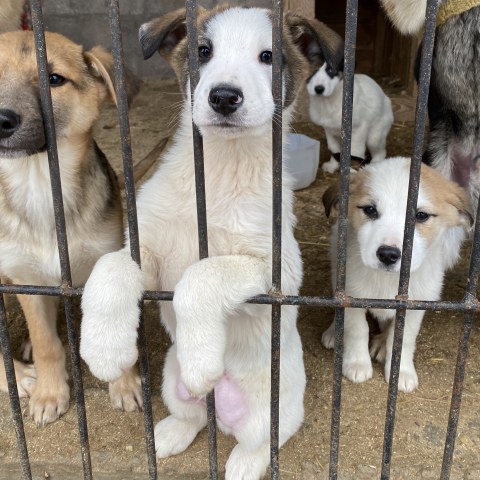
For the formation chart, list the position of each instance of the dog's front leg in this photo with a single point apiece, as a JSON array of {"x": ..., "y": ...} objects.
[
  {"x": 408, "y": 379},
  {"x": 210, "y": 290},
  {"x": 111, "y": 313},
  {"x": 51, "y": 395}
]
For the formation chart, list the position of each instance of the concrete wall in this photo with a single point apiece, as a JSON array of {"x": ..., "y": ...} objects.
[{"x": 86, "y": 22}]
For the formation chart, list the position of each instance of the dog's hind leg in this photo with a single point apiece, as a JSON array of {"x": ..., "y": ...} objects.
[
  {"x": 408, "y": 379},
  {"x": 50, "y": 397},
  {"x": 24, "y": 374},
  {"x": 188, "y": 414}
]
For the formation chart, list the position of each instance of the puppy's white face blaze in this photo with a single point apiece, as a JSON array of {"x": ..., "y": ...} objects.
[
  {"x": 234, "y": 93},
  {"x": 377, "y": 212},
  {"x": 324, "y": 81}
]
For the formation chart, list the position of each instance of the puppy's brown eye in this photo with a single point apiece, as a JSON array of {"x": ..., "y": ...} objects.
[
  {"x": 56, "y": 80},
  {"x": 422, "y": 216},
  {"x": 266, "y": 57},
  {"x": 204, "y": 52},
  {"x": 370, "y": 211}
]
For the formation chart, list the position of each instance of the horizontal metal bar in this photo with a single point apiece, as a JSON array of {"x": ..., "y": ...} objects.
[{"x": 469, "y": 305}]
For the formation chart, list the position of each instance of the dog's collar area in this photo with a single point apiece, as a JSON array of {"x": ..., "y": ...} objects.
[{"x": 451, "y": 8}]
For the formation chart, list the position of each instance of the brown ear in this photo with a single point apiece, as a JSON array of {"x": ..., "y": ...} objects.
[
  {"x": 100, "y": 64},
  {"x": 461, "y": 201},
  {"x": 330, "y": 198},
  {"x": 163, "y": 34},
  {"x": 315, "y": 40}
]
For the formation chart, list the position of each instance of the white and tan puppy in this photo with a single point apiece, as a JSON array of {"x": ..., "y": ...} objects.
[
  {"x": 218, "y": 340},
  {"x": 372, "y": 115},
  {"x": 80, "y": 82},
  {"x": 376, "y": 218}
]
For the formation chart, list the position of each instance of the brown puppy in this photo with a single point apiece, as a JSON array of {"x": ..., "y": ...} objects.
[{"x": 80, "y": 82}]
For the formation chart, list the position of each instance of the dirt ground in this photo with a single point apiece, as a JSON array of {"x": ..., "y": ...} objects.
[{"x": 116, "y": 438}]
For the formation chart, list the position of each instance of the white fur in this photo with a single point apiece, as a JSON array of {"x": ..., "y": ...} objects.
[
  {"x": 407, "y": 15},
  {"x": 372, "y": 115},
  {"x": 367, "y": 277},
  {"x": 217, "y": 338}
]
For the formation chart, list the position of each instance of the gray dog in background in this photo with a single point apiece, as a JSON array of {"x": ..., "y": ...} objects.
[{"x": 454, "y": 99}]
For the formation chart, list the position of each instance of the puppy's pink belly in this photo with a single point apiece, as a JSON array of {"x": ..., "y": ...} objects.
[{"x": 230, "y": 402}]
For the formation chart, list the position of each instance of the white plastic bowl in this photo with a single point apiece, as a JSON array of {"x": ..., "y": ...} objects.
[{"x": 301, "y": 158}]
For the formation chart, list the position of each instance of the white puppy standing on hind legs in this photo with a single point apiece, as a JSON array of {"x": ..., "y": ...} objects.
[
  {"x": 218, "y": 340},
  {"x": 372, "y": 115},
  {"x": 376, "y": 218}
]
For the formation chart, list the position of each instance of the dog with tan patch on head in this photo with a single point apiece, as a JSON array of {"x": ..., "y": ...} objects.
[
  {"x": 376, "y": 219},
  {"x": 80, "y": 81},
  {"x": 218, "y": 340}
]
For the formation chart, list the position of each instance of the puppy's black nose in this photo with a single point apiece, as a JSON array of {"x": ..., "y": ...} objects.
[
  {"x": 319, "y": 89},
  {"x": 9, "y": 123},
  {"x": 225, "y": 100},
  {"x": 388, "y": 255}
]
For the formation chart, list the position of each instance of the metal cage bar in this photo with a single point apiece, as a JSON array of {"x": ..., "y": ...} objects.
[
  {"x": 50, "y": 135},
  {"x": 122, "y": 107},
  {"x": 191, "y": 14},
  {"x": 347, "y": 109},
  {"x": 419, "y": 129},
  {"x": 469, "y": 305}
]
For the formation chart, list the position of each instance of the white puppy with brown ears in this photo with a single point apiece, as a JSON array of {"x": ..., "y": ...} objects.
[
  {"x": 376, "y": 218},
  {"x": 218, "y": 340}
]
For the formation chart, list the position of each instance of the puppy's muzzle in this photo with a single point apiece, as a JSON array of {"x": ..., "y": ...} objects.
[
  {"x": 9, "y": 123},
  {"x": 388, "y": 255},
  {"x": 225, "y": 99},
  {"x": 319, "y": 89}
]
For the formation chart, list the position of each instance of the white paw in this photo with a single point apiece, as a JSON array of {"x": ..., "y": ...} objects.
[
  {"x": 126, "y": 392},
  {"x": 357, "y": 372},
  {"x": 407, "y": 379},
  {"x": 108, "y": 342},
  {"x": 173, "y": 436},
  {"x": 328, "y": 337},
  {"x": 331, "y": 166},
  {"x": 245, "y": 465}
]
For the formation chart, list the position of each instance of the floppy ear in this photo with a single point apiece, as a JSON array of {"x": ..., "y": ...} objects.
[
  {"x": 461, "y": 201},
  {"x": 100, "y": 64},
  {"x": 315, "y": 39},
  {"x": 330, "y": 198},
  {"x": 163, "y": 34}
]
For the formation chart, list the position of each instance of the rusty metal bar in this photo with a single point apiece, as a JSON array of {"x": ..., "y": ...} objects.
[
  {"x": 123, "y": 117},
  {"x": 457, "y": 389},
  {"x": 192, "y": 38},
  {"x": 13, "y": 393},
  {"x": 60, "y": 225},
  {"x": 347, "y": 107},
  {"x": 419, "y": 129},
  {"x": 277, "y": 93}
]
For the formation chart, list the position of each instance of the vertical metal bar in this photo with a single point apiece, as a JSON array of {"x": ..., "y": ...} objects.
[
  {"x": 123, "y": 116},
  {"x": 277, "y": 142},
  {"x": 462, "y": 355},
  {"x": 192, "y": 38},
  {"x": 419, "y": 129},
  {"x": 347, "y": 106},
  {"x": 13, "y": 392},
  {"x": 60, "y": 225}
]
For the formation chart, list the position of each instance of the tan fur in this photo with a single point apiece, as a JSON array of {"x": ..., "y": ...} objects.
[
  {"x": 10, "y": 14},
  {"x": 91, "y": 196}
]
